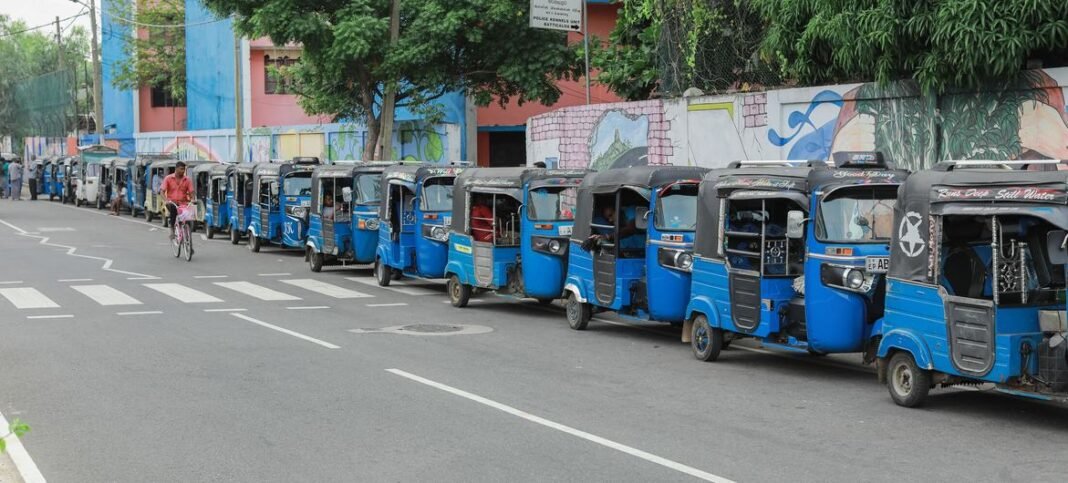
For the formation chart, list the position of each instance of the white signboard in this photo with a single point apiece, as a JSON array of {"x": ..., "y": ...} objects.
[{"x": 556, "y": 14}]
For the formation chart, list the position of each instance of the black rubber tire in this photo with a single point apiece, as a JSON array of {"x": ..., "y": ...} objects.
[
  {"x": 234, "y": 237},
  {"x": 705, "y": 341},
  {"x": 148, "y": 216},
  {"x": 253, "y": 243},
  {"x": 578, "y": 313},
  {"x": 907, "y": 383},
  {"x": 99, "y": 205},
  {"x": 211, "y": 232},
  {"x": 459, "y": 293},
  {"x": 188, "y": 243},
  {"x": 78, "y": 202},
  {"x": 315, "y": 260},
  {"x": 383, "y": 274}
]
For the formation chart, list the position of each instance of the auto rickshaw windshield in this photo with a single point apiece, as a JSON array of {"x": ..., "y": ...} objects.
[
  {"x": 552, "y": 203},
  {"x": 857, "y": 214},
  {"x": 676, "y": 208},
  {"x": 437, "y": 194},
  {"x": 297, "y": 185},
  {"x": 369, "y": 189}
]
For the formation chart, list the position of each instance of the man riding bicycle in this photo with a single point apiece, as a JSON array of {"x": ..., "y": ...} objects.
[{"x": 177, "y": 189}]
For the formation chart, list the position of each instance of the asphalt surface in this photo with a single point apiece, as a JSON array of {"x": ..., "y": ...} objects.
[{"x": 178, "y": 391}]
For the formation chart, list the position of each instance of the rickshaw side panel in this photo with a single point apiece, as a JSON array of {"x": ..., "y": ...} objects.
[
  {"x": 708, "y": 293},
  {"x": 364, "y": 241},
  {"x": 668, "y": 290},
  {"x": 543, "y": 273},
  {"x": 580, "y": 273},
  {"x": 461, "y": 258}
]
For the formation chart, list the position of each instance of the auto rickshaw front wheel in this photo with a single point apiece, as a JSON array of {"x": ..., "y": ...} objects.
[
  {"x": 908, "y": 383},
  {"x": 459, "y": 293},
  {"x": 210, "y": 230},
  {"x": 383, "y": 274},
  {"x": 706, "y": 341},
  {"x": 253, "y": 243},
  {"x": 578, "y": 313},
  {"x": 234, "y": 237},
  {"x": 315, "y": 260}
]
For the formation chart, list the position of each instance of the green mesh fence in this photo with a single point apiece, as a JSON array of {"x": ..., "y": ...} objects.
[{"x": 44, "y": 104}]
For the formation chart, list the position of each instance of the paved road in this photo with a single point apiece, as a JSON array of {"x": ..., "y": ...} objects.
[{"x": 132, "y": 365}]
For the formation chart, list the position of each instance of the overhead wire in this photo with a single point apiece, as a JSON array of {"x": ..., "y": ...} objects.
[{"x": 49, "y": 24}]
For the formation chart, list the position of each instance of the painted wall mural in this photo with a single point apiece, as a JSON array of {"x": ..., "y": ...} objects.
[{"x": 1024, "y": 119}]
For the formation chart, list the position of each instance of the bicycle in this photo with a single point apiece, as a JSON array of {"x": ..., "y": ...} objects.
[{"x": 183, "y": 234}]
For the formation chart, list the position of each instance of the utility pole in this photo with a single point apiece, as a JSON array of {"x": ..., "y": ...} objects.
[
  {"x": 59, "y": 68},
  {"x": 98, "y": 77},
  {"x": 586, "y": 45},
  {"x": 239, "y": 109},
  {"x": 389, "y": 101}
]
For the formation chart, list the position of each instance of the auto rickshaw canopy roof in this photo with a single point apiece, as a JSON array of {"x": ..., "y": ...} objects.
[
  {"x": 645, "y": 178},
  {"x": 968, "y": 188},
  {"x": 541, "y": 177}
]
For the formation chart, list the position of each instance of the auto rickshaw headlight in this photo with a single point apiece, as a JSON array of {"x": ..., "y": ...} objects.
[
  {"x": 438, "y": 233},
  {"x": 372, "y": 224},
  {"x": 853, "y": 278},
  {"x": 684, "y": 260},
  {"x": 555, "y": 246}
]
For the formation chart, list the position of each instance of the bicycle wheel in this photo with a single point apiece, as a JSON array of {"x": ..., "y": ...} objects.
[
  {"x": 188, "y": 244},
  {"x": 177, "y": 241}
]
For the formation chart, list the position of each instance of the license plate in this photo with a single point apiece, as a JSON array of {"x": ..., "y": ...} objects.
[
  {"x": 564, "y": 230},
  {"x": 446, "y": 220},
  {"x": 877, "y": 264}
]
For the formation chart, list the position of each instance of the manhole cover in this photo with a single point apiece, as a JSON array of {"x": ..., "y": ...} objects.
[{"x": 432, "y": 328}]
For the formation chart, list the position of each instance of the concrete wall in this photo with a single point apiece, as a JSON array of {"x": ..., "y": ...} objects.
[
  {"x": 1027, "y": 121},
  {"x": 209, "y": 64}
]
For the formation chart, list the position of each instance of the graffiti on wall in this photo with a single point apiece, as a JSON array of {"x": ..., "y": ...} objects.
[
  {"x": 603, "y": 136},
  {"x": 620, "y": 140}
]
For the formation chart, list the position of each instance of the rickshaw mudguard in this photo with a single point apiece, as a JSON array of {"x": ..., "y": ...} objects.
[
  {"x": 703, "y": 305},
  {"x": 904, "y": 340},
  {"x": 460, "y": 259},
  {"x": 574, "y": 286},
  {"x": 364, "y": 245}
]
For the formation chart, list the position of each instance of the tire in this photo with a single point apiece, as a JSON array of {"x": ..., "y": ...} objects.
[
  {"x": 383, "y": 274},
  {"x": 234, "y": 236},
  {"x": 908, "y": 384},
  {"x": 459, "y": 293},
  {"x": 99, "y": 205},
  {"x": 211, "y": 232},
  {"x": 253, "y": 243},
  {"x": 315, "y": 260},
  {"x": 706, "y": 341},
  {"x": 148, "y": 216},
  {"x": 578, "y": 313},
  {"x": 177, "y": 245},
  {"x": 188, "y": 243},
  {"x": 78, "y": 202}
]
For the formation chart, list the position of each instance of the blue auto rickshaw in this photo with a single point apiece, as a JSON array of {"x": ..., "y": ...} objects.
[
  {"x": 143, "y": 174},
  {"x": 343, "y": 222},
  {"x": 977, "y": 282},
  {"x": 240, "y": 200},
  {"x": 217, "y": 200},
  {"x": 630, "y": 246},
  {"x": 282, "y": 196},
  {"x": 774, "y": 238},
  {"x": 509, "y": 232},
  {"x": 121, "y": 170},
  {"x": 415, "y": 215}
]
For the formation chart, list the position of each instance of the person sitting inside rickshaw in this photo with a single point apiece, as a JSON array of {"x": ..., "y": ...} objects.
[
  {"x": 328, "y": 206},
  {"x": 630, "y": 237},
  {"x": 482, "y": 222},
  {"x": 116, "y": 200}
]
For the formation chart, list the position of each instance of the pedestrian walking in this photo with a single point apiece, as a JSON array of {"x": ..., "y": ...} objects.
[
  {"x": 3, "y": 178},
  {"x": 31, "y": 171},
  {"x": 14, "y": 174}
]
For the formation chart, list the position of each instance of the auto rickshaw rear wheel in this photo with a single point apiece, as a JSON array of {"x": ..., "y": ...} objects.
[
  {"x": 578, "y": 313},
  {"x": 383, "y": 274},
  {"x": 253, "y": 243},
  {"x": 210, "y": 230},
  {"x": 234, "y": 237},
  {"x": 706, "y": 341},
  {"x": 315, "y": 260},
  {"x": 459, "y": 293},
  {"x": 908, "y": 383}
]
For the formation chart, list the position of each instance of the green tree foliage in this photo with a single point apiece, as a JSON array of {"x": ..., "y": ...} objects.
[
  {"x": 17, "y": 428},
  {"x": 30, "y": 53},
  {"x": 155, "y": 57},
  {"x": 663, "y": 47},
  {"x": 484, "y": 47},
  {"x": 942, "y": 44}
]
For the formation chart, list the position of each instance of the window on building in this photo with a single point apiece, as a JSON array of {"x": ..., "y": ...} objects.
[
  {"x": 276, "y": 79},
  {"x": 161, "y": 97}
]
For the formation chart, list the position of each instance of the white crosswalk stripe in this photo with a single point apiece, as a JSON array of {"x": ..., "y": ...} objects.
[
  {"x": 326, "y": 288},
  {"x": 27, "y": 298},
  {"x": 183, "y": 293},
  {"x": 402, "y": 290},
  {"x": 105, "y": 295},
  {"x": 257, "y": 291}
]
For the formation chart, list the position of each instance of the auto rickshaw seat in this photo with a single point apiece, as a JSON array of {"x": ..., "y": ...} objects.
[{"x": 965, "y": 272}]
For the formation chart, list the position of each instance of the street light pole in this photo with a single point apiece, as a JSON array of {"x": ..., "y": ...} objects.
[{"x": 98, "y": 76}]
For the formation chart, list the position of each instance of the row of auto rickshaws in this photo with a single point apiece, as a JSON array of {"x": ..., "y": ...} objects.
[{"x": 951, "y": 275}]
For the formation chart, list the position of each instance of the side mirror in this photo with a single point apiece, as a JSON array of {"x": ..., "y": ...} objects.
[
  {"x": 795, "y": 224},
  {"x": 346, "y": 194},
  {"x": 1057, "y": 243},
  {"x": 642, "y": 220}
]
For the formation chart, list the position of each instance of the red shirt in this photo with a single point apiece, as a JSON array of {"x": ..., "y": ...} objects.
[
  {"x": 482, "y": 229},
  {"x": 176, "y": 190}
]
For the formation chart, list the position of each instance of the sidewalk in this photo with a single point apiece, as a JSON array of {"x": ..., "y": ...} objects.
[{"x": 8, "y": 473}]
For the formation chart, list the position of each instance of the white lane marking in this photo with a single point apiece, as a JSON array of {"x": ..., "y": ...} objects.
[
  {"x": 652, "y": 458},
  {"x": 23, "y": 463},
  {"x": 27, "y": 298},
  {"x": 386, "y": 305},
  {"x": 308, "y": 307},
  {"x": 326, "y": 288},
  {"x": 11, "y": 282},
  {"x": 273, "y": 274},
  {"x": 203, "y": 237},
  {"x": 47, "y": 229},
  {"x": 257, "y": 291},
  {"x": 72, "y": 251},
  {"x": 211, "y": 276},
  {"x": 225, "y": 310},
  {"x": 287, "y": 331},
  {"x": 64, "y": 316},
  {"x": 146, "y": 312},
  {"x": 105, "y": 295},
  {"x": 75, "y": 280},
  {"x": 183, "y": 293},
  {"x": 402, "y": 290}
]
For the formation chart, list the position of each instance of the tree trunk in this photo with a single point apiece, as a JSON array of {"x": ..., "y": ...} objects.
[{"x": 373, "y": 131}]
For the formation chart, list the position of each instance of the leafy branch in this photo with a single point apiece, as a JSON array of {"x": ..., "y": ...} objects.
[{"x": 17, "y": 428}]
